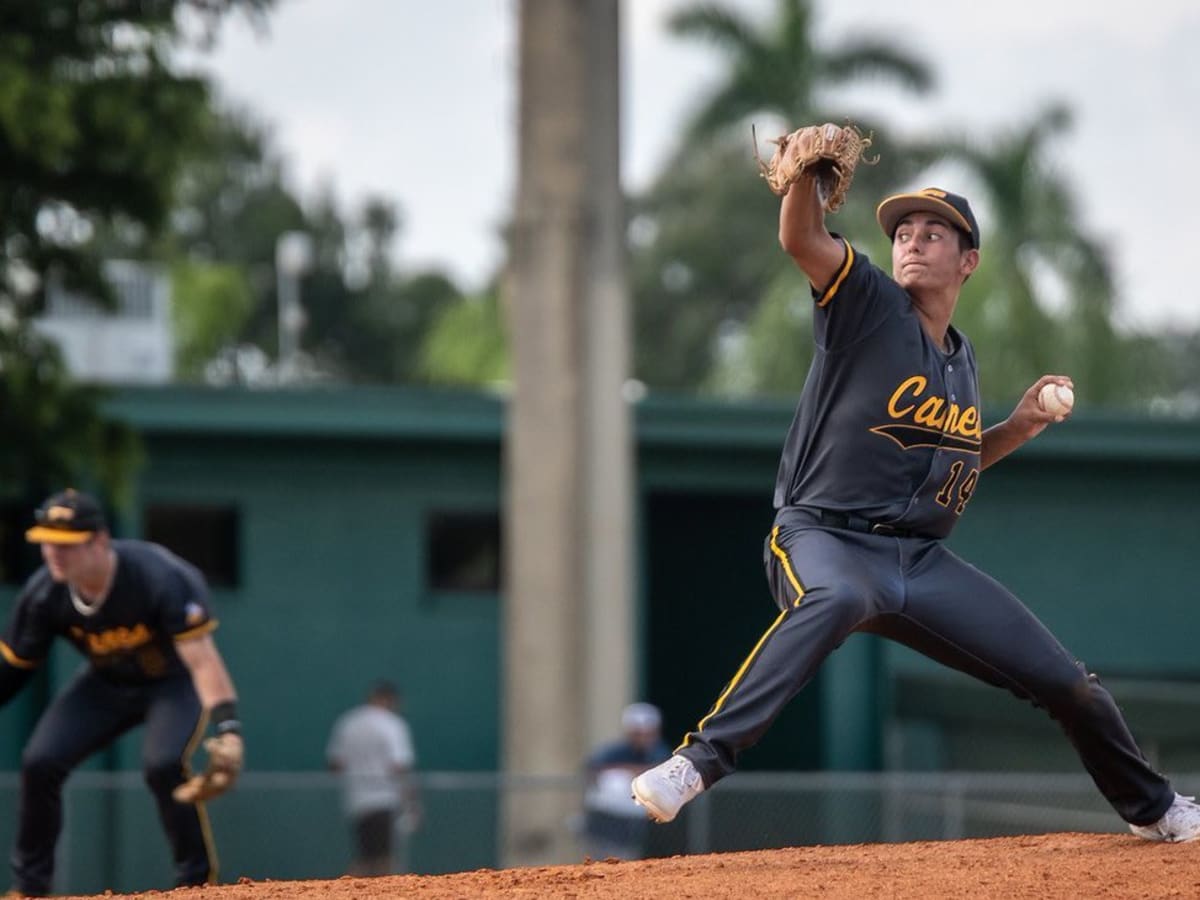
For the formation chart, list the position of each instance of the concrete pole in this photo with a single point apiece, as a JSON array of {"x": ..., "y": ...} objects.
[
  {"x": 567, "y": 632},
  {"x": 608, "y": 439}
]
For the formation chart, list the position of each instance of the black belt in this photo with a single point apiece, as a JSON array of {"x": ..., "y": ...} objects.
[{"x": 849, "y": 521}]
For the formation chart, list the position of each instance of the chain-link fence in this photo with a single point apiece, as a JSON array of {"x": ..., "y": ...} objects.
[{"x": 290, "y": 825}]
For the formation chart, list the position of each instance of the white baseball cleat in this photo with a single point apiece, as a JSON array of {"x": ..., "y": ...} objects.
[
  {"x": 1180, "y": 823},
  {"x": 664, "y": 789}
]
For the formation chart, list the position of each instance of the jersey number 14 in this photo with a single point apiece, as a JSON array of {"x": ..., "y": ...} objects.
[{"x": 946, "y": 495}]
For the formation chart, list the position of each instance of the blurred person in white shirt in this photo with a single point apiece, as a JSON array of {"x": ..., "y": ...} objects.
[{"x": 372, "y": 747}]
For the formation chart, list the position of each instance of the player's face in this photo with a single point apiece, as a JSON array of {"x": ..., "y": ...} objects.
[
  {"x": 643, "y": 738},
  {"x": 72, "y": 562},
  {"x": 926, "y": 254}
]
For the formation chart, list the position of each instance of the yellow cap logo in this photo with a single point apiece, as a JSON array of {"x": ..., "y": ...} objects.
[{"x": 60, "y": 514}]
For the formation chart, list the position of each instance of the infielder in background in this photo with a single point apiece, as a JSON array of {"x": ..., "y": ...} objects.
[
  {"x": 140, "y": 617},
  {"x": 372, "y": 747},
  {"x": 883, "y": 455}
]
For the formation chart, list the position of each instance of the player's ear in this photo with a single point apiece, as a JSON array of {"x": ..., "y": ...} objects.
[{"x": 969, "y": 263}]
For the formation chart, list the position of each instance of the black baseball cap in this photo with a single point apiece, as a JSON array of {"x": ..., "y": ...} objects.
[
  {"x": 69, "y": 517},
  {"x": 951, "y": 207}
]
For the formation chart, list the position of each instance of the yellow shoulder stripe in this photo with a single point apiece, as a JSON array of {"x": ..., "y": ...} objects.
[
  {"x": 199, "y": 631},
  {"x": 15, "y": 661},
  {"x": 841, "y": 276}
]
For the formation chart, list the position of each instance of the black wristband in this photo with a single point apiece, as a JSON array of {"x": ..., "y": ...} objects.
[{"x": 224, "y": 718}]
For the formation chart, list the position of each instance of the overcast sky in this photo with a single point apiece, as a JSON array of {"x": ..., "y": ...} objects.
[{"x": 416, "y": 101}]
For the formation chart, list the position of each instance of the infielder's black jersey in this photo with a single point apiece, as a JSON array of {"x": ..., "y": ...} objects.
[
  {"x": 156, "y": 599},
  {"x": 888, "y": 424}
]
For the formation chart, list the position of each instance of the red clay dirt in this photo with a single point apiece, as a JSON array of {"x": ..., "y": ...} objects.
[{"x": 1045, "y": 867}]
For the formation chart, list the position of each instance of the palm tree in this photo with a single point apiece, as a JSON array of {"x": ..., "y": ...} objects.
[
  {"x": 780, "y": 69},
  {"x": 714, "y": 251}
]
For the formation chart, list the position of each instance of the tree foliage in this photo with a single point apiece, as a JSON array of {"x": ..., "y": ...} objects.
[
  {"x": 467, "y": 343},
  {"x": 95, "y": 124},
  {"x": 364, "y": 318},
  {"x": 54, "y": 433},
  {"x": 779, "y": 69},
  {"x": 211, "y": 303}
]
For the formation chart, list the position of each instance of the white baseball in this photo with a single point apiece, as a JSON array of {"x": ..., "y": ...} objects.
[{"x": 1056, "y": 398}]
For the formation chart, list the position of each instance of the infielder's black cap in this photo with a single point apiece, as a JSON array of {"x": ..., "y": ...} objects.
[
  {"x": 951, "y": 207},
  {"x": 69, "y": 517}
]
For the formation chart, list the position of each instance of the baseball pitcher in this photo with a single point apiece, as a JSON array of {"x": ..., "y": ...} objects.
[{"x": 884, "y": 454}]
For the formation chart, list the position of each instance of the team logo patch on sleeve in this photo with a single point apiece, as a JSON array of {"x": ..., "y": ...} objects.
[{"x": 194, "y": 613}]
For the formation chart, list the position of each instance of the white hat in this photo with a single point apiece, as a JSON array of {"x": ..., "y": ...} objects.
[{"x": 641, "y": 717}]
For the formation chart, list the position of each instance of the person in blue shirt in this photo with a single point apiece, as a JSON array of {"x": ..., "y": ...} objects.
[{"x": 614, "y": 825}]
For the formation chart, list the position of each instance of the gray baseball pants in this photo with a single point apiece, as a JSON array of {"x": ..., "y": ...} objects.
[{"x": 830, "y": 583}]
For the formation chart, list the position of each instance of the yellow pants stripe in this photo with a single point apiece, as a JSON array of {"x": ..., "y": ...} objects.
[
  {"x": 741, "y": 672},
  {"x": 738, "y": 677},
  {"x": 787, "y": 566}
]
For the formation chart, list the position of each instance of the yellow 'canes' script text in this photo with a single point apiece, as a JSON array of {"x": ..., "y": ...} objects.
[{"x": 909, "y": 403}]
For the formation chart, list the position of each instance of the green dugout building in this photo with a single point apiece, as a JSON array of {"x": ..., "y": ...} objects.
[{"x": 355, "y": 533}]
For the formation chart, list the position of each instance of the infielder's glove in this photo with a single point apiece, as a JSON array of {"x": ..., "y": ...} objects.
[
  {"x": 830, "y": 152},
  {"x": 225, "y": 755}
]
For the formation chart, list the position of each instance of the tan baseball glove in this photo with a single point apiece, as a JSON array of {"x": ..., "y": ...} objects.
[
  {"x": 830, "y": 152},
  {"x": 225, "y": 755}
]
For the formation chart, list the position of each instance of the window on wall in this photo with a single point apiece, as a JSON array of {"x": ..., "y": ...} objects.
[
  {"x": 206, "y": 536},
  {"x": 463, "y": 551},
  {"x": 18, "y": 558}
]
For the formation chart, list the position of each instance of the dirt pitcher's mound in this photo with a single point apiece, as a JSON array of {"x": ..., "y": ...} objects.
[{"x": 1091, "y": 866}]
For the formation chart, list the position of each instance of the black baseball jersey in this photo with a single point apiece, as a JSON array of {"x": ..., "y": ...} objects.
[
  {"x": 155, "y": 599},
  {"x": 888, "y": 424}
]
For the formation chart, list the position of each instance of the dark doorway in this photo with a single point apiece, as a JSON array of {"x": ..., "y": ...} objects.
[{"x": 707, "y": 606}]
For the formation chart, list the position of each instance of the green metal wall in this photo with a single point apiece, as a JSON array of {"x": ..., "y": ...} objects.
[
  {"x": 333, "y": 591},
  {"x": 1092, "y": 525},
  {"x": 1103, "y": 550}
]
